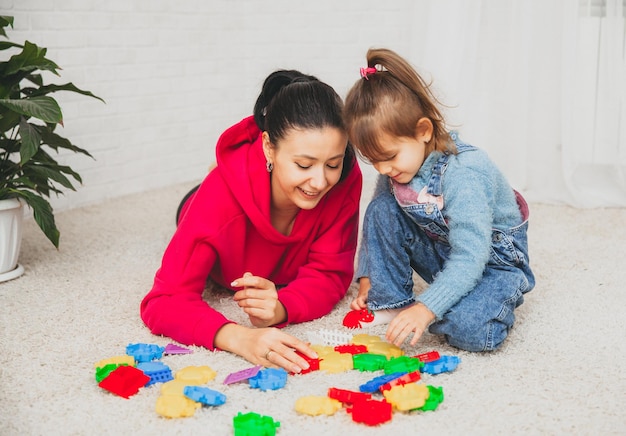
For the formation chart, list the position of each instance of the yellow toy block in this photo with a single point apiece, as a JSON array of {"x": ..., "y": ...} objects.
[
  {"x": 174, "y": 387},
  {"x": 116, "y": 360},
  {"x": 385, "y": 348},
  {"x": 317, "y": 405},
  {"x": 195, "y": 375},
  {"x": 407, "y": 397},
  {"x": 365, "y": 339},
  {"x": 336, "y": 362},
  {"x": 176, "y": 406},
  {"x": 323, "y": 350}
]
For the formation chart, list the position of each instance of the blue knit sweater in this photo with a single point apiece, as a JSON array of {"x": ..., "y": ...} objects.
[{"x": 477, "y": 199}]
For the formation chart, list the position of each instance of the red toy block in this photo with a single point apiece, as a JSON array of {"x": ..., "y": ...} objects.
[
  {"x": 428, "y": 357},
  {"x": 348, "y": 397},
  {"x": 351, "y": 349},
  {"x": 314, "y": 364},
  {"x": 371, "y": 412},
  {"x": 125, "y": 381},
  {"x": 411, "y": 377}
]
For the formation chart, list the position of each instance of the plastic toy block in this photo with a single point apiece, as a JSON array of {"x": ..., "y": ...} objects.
[
  {"x": 176, "y": 349},
  {"x": 355, "y": 318},
  {"x": 329, "y": 337},
  {"x": 314, "y": 364},
  {"x": 253, "y": 424},
  {"x": 374, "y": 384},
  {"x": 157, "y": 371},
  {"x": 145, "y": 352},
  {"x": 176, "y": 406},
  {"x": 124, "y": 381},
  {"x": 443, "y": 364},
  {"x": 365, "y": 339},
  {"x": 386, "y": 349},
  {"x": 314, "y": 405},
  {"x": 347, "y": 396},
  {"x": 369, "y": 361},
  {"x": 435, "y": 398},
  {"x": 407, "y": 397},
  {"x": 116, "y": 360},
  {"x": 195, "y": 375},
  {"x": 428, "y": 357},
  {"x": 244, "y": 374},
  {"x": 102, "y": 373},
  {"x": 205, "y": 396},
  {"x": 174, "y": 387},
  {"x": 336, "y": 362},
  {"x": 269, "y": 379},
  {"x": 403, "y": 364},
  {"x": 411, "y": 377},
  {"x": 323, "y": 350},
  {"x": 371, "y": 412},
  {"x": 351, "y": 349}
]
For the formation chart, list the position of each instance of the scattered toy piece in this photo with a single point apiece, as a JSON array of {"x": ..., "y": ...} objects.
[
  {"x": 251, "y": 424},
  {"x": 354, "y": 318},
  {"x": 435, "y": 398},
  {"x": 371, "y": 412},
  {"x": 157, "y": 371},
  {"x": 205, "y": 396},
  {"x": 269, "y": 379},
  {"x": 374, "y": 384},
  {"x": 124, "y": 381},
  {"x": 145, "y": 352},
  {"x": 443, "y": 364},
  {"x": 176, "y": 406},
  {"x": 329, "y": 337},
  {"x": 369, "y": 361},
  {"x": 428, "y": 357},
  {"x": 317, "y": 405},
  {"x": 176, "y": 349},
  {"x": 407, "y": 397},
  {"x": 347, "y": 396},
  {"x": 244, "y": 374},
  {"x": 335, "y": 362},
  {"x": 402, "y": 364},
  {"x": 196, "y": 375},
  {"x": 411, "y": 377}
]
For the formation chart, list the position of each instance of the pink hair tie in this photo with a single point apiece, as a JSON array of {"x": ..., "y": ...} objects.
[{"x": 365, "y": 72}]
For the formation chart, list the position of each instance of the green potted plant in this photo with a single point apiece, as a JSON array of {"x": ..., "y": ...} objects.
[{"x": 28, "y": 120}]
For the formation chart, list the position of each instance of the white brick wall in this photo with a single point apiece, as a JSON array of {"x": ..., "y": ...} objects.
[{"x": 175, "y": 74}]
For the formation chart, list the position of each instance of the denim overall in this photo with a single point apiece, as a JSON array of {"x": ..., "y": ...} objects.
[{"x": 400, "y": 238}]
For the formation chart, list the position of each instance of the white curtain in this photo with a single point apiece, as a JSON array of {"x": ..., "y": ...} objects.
[{"x": 540, "y": 85}]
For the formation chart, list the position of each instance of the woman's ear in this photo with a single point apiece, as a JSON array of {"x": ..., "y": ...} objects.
[
  {"x": 268, "y": 149},
  {"x": 424, "y": 130}
]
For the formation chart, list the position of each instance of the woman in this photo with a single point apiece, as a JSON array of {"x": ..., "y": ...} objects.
[{"x": 276, "y": 221}]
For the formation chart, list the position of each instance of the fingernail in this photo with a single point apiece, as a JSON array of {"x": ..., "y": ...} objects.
[{"x": 235, "y": 283}]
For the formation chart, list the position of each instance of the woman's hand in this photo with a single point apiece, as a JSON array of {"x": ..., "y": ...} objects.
[
  {"x": 269, "y": 347},
  {"x": 414, "y": 319},
  {"x": 360, "y": 302},
  {"x": 259, "y": 300}
]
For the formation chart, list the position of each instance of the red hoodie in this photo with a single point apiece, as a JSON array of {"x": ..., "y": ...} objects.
[{"x": 226, "y": 231}]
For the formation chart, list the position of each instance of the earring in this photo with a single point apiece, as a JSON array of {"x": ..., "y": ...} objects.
[{"x": 269, "y": 166}]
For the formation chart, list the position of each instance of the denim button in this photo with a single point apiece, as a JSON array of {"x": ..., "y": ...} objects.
[
  {"x": 497, "y": 237},
  {"x": 429, "y": 209}
]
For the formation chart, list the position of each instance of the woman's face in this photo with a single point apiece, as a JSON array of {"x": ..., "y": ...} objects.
[{"x": 307, "y": 164}]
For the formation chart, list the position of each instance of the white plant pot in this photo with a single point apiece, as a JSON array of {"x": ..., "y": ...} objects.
[{"x": 11, "y": 217}]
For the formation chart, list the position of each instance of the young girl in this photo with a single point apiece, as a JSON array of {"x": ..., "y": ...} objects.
[
  {"x": 276, "y": 221},
  {"x": 440, "y": 208}
]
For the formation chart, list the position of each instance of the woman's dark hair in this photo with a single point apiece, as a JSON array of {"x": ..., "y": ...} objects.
[{"x": 290, "y": 99}]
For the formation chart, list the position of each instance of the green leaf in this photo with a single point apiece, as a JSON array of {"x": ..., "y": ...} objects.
[
  {"x": 43, "y": 214},
  {"x": 31, "y": 58},
  {"x": 44, "y": 108},
  {"x": 44, "y": 90},
  {"x": 30, "y": 141},
  {"x": 55, "y": 141},
  {"x": 4, "y": 45},
  {"x": 5, "y": 21}
]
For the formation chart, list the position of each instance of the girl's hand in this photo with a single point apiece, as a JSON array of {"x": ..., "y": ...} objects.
[
  {"x": 269, "y": 347},
  {"x": 414, "y": 319},
  {"x": 259, "y": 300},
  {"x": 360, "y": 302}
]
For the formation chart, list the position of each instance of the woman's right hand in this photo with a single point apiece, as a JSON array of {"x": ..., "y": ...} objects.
[{"x": 270, "y": 347}]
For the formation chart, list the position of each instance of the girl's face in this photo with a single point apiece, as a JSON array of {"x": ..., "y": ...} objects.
[
  {"x": 307, "y": 164},
  {"x": 405, "y": 157}
]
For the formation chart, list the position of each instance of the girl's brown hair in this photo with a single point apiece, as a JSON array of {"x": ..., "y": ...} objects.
[{"x": 391, "y": 100}]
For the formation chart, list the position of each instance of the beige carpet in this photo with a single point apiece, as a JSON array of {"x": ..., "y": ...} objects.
[{"x": 561, "y": 371}]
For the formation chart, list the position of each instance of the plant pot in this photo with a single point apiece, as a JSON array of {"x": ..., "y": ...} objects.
[{"x": 11, "y": 217}]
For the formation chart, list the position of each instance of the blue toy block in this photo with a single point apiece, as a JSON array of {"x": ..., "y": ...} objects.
[
  {"x": 157, "y": 371},
  {"x": 145, "y": 352},
  {"x": 374, "y": 384},
  {"x": 269, "y": 379},
  {"x": 443, "y": 364},
  {"x": 203, "y": 395}
]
